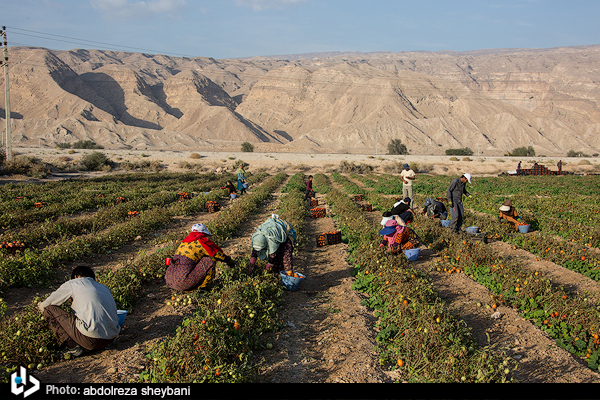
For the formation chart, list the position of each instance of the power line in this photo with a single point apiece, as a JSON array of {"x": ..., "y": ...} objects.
[{"x": 50, "y": 36}]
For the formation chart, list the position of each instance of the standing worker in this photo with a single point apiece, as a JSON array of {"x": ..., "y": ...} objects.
[
  {"x": 559, "y": 165},
  {"x": 309, "y": 189},
  {"x": 241, "y": 179},
  {"x": 455, "y": 192},
  {"x": 408, "y": 176}
]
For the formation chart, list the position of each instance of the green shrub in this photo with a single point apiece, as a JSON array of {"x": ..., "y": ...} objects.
[
  {"x": 522, "y": 152},
  {"x": 86, "y": 144},
  {"x": 95, "y": 161},
  {"x": 465, "y": 151},
  {"x": 247, "y": 147},
  {"x": 30, "y": 166},
  {"x": 573, "y": 153},
  {"x": 195, "y": 156},
  {"x": 395, "y": 146},
  {"x": 453, "y": 159},
  {"x": 2, "y": 155},
  {"x": 63, "y": 145}
]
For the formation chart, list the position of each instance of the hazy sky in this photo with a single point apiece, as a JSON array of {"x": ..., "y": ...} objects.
[{"x": 246, "y": 28}]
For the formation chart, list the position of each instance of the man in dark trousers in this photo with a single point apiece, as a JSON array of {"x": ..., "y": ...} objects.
[
  {"x": 93, "y": 324},
  {"x": 454, "y": 194}
]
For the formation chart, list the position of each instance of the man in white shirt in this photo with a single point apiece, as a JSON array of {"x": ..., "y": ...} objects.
[
  {"x": 94, "y": 323},
  {"x": 408, "y": 176}
]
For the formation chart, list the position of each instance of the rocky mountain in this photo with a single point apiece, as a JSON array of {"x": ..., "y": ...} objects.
[{"x": 491, "y": 101}]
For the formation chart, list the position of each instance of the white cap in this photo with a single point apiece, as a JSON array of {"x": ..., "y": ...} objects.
[
  {"x": 468, "y": 176},
  {"x": 201, "y": 228}
]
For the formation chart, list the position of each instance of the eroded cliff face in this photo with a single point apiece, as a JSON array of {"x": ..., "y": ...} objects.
[{"x": 490, "y": 101}]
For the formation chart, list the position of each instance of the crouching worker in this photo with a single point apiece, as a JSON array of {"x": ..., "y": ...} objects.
[
  {"x": 193, "y": 265},
  {"x": 93, "y": 324},
  {"x": 273, "y": 241},
  {"x": 397, "y": 236},
  {"x": 509, "y": 213},
  {"x": 435, "y": 209}
]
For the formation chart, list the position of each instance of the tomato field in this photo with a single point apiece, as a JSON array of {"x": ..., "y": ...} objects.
[{"x": 228, "y": 333}]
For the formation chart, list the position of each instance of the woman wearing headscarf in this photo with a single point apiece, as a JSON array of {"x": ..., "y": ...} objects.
[
  {"x": 397, "y": 236},
  {"x": 273, "y": 241},
  {"x": 509, "y": 213},
  {"x": 230, "y": 188},
  {"x": 241, "y": 179},
  {"x": 193, "y": 265}
]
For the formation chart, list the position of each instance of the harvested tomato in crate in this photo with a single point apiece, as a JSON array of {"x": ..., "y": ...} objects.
[
  {"x": 183, "y": 196},
  {"x": 329, "y": 238},
  {"x": 39, "y": 204},
  {"x": 366, "y": 207},
  {"x": 358, "y": 197},
  {"x": 314, "y": 202},
  {"x": 120, "y": 200},
  {"x": 212, "y": 206},
  {"x": 317, "y": 212}
]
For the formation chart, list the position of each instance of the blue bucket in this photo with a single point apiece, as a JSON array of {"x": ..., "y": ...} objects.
[
  {"x": 524, "y": 228},
  {"x": 412, "y": 254},
  {"x": 121, "y": 314},
  {"x": 472, "y": 229},
  {"x": 233, "y": 195},
  {"x": 446, "y": 223},
  {"x": 291, "y": 283}
]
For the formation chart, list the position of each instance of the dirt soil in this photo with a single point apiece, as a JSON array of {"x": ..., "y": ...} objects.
[{"x": 328, "y": 335}]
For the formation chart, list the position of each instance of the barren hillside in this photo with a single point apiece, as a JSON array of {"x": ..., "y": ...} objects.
[{"x": 490, "y": 101}]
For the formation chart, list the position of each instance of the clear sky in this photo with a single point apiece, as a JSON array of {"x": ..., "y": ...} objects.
[{"x": 246, "y": 28}]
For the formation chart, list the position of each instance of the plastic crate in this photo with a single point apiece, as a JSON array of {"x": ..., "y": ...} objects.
[
  {"x": 317, "y": 212},
  {"x": 358, "y": 197},
  {"x": 314, "y": 202},
  {"x": 366, "y": 207},
  {"x": 120, "y": 200},
  {"x": 329, "y": 238}
]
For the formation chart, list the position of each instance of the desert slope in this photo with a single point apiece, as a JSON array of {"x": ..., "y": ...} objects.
[{"x": 490, "y": 100}]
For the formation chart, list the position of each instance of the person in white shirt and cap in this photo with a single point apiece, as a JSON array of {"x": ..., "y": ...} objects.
[
  {"x": 93, "y": 324},
  {"x": 454, "y": 194},
  {"x": 408, "y": 176}
]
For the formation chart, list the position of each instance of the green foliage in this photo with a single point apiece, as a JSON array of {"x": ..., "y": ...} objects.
[
  {"x": 95, "y": 161},
  {"x": 86, "y": 144},
  {"x": 465, "y": 151},
  {"x": 63, "y": 145},
  {"x": 395, "y": 146},
  {"x": 573, "y": 153},
  {"x": 247, "y": 147},
  {"x": 522, "y": 152}
]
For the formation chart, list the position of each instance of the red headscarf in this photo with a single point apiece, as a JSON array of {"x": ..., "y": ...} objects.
[{"x": 210, "y": 247}]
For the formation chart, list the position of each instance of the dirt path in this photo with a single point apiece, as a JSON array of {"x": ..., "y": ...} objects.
[
  {"x": 540, "y": 359},
  {"x": 328, "y": 334}
]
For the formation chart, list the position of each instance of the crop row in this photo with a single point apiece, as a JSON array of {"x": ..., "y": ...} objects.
[
  {"x": 217, "y": 343},
  {"x": 571, "y": 319},
  {"x": 18, "y": 202},
  {"x": 26, "y": 338},
  {"x": 417, "y": 335}
]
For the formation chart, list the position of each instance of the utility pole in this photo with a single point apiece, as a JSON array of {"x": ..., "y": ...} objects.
[{"x": 6, "y": 97}]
